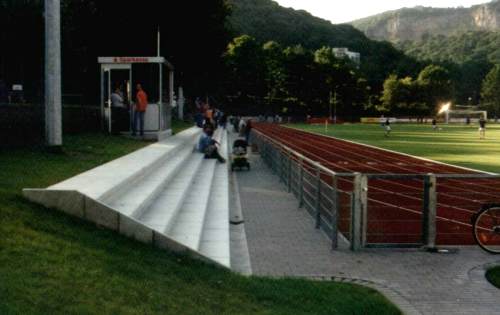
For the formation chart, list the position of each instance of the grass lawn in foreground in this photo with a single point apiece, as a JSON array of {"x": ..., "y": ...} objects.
[
  {"x": 51, "y": 263},
  {"x": 493, "y": 275},
  {"x": 454, "y": 144}
]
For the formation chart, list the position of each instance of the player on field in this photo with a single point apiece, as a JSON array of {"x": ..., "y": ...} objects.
[
  {"x": 387, "y": 125},
  {"x": 482, "y": 128},
  {"x": 434, "y": 124}
]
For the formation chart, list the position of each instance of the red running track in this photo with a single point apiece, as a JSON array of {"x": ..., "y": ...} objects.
[{"x": 395, "y": 206}]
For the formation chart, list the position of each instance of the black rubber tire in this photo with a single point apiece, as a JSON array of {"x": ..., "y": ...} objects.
[{"x": 487, "y": 211}]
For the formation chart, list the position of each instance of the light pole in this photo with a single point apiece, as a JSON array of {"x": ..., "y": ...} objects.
[{"x": 53, "y": 108}]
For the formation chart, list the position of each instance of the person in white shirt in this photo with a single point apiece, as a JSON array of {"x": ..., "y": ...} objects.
[{"x": 117, "y": 98}]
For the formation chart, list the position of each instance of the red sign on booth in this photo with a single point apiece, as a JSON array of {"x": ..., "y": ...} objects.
[{"x": 129, "y": 60}]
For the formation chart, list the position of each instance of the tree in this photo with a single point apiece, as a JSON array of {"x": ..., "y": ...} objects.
[
  {"x": 275, "y": 72},
  {"x": 490, "y": 92},
  {"x": 396, "y": 95},
  {"x": 435, "y": 86},
  {"x": 244, "y": 59}
]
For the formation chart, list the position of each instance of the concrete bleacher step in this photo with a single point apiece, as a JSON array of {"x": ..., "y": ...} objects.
[
  {"x": 180, "y": 210},
  {"x": 159, "y": 215},
  {"x": 215, "y": 240},
  {"x": 107, "y": 180},
  {"x": 165, "y": 194},
  {"x": 139, "y": 194},
  {"x": 188, "y": 225}
]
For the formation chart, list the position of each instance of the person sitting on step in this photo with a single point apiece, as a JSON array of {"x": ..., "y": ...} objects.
[{"x": 208, "y": 145}]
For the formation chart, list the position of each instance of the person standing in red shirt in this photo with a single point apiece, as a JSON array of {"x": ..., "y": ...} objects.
[{"x": 140, "y": 110}]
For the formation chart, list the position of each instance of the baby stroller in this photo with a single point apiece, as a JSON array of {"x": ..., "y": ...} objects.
[{"x": 239, "y": 156}]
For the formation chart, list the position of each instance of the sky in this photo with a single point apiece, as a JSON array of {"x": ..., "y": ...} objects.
[{"x": 346, "y": 11}]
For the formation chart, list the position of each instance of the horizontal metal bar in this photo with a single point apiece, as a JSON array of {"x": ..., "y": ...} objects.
[
  {"x": 422, "y": 176},
  {"x": 303, "y": 157}
]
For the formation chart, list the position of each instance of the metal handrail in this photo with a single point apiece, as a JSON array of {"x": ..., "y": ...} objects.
[{"x": 303, "y": 157}]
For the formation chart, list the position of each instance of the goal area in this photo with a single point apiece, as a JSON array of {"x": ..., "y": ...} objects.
[{"x": 464, "y": 116}]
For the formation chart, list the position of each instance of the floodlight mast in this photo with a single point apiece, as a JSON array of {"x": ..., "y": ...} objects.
[{"x": 53, "y": 108}]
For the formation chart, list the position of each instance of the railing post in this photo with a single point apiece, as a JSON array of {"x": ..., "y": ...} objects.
[
  {"x": 274, "y": 164},
  {"x": 335, "y": 212},
  {"x": 289, "y": 172},
  {"x": 429, "y": 211},
  {"x": 283, "y": 164},
  {"x": 359, "y": 212},
  {"x": 301, "y": 182},
  {"x": 318, "y": 197}
]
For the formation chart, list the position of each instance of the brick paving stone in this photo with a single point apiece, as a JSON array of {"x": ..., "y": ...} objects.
[{"x": 282, "y": 241}]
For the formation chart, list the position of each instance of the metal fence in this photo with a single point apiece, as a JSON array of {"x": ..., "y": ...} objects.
[
  {"x": 315, "y": 186},
  {"x": 355, "y": 206}
]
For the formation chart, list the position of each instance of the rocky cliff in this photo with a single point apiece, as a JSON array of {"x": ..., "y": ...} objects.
[{"x": 415, "y": 23}]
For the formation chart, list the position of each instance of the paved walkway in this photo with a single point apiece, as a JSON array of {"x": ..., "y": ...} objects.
[{"x": 282, "y": 241}]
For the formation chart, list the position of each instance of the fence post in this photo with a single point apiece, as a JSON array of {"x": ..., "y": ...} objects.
[
  {"x": 289, "y": 172},
  {"x": 301, "y": 182},
  {"x": 276, "y": 160},
  {"x": 429, "y": 211},
  {"x": 335, "y": 212},
  {"x": 318, "y": 197},
  {"x": 359, "y": 212}
]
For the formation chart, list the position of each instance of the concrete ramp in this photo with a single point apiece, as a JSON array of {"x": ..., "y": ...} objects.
[{"x": 166, "y": 194}]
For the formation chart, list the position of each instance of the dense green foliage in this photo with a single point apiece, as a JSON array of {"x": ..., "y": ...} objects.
[
  {"x": 468, "y": 56},
  {"x": 292, "y": 80},
  {"x": 460, "y": 48},
  {"x": 194, "y": 36},
  {"x": 421, "y": 96},
  {"x": 490, "y": 92},
  {"x": 51, "y": 263},
  {"x": 266, "y": 21},
  {"x": 493, "y": 275},
  {"x": 454, "y": 144}
]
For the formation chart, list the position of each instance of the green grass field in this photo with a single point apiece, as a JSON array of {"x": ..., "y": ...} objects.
[
  {"x": 454, "y": 144},
  {"x": 51, "y": 263},
  {"x": 493, "y": 275}
]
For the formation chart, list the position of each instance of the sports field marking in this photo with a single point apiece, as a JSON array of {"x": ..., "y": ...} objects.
[{"x": 457, "y": 145}]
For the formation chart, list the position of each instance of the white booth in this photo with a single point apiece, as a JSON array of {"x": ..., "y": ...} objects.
[{"x": 125, "y": 73}]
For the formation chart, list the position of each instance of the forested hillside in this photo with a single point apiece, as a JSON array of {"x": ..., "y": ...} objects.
[
  {"x": 266, "y": 20},
  {"x": 460, "y": 48},
  {"x": 416, "y": 23}
]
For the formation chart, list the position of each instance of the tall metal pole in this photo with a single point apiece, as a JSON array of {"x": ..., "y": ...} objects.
[
  {"x": 158, "y": 42},
  {"x": 53, "y": 108}
]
